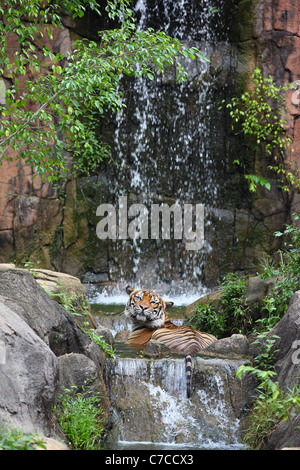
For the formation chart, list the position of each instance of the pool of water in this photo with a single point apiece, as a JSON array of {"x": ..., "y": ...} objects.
[{"x": 129, "y": 374}]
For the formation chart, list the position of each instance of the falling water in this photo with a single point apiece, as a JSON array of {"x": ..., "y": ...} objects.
[
  {"x": 150, "y": 408},
  {"x": 168, "y": 147}
]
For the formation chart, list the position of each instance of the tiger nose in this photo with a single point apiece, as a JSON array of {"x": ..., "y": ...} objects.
[{"x": 143, "y": 307}]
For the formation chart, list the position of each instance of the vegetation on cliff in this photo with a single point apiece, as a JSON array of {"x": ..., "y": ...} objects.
[
  {"x": 260, "y": 115},
  {"x": 232, "y": 313},
  {"x": 52, "y": 99}
]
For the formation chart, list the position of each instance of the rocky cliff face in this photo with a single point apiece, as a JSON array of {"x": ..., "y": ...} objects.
[
  {"x": 277, "y": 39},
  {"x": 57, "y": 227},
  {"x": 30, "y": 211},
  {"x": 42, "y": 350}
]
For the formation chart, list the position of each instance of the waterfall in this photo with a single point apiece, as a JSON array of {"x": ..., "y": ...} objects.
[
  {"x": 168, "y": 147},
  {"x": 150, "y": 409}
]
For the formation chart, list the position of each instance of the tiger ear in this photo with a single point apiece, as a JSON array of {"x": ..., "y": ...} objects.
[
  {"x": 169, "y": 304},
  {"x": 129, "y": 289}
]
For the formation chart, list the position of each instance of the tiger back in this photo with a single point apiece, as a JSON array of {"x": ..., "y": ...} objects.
[
  {"x": 184, "y": 340},
  {"x": 147, "y": 310}
]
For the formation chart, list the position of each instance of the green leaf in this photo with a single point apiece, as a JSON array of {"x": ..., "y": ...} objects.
[
  {"x": 73, "y": 89},
  {"x": 254, "y": 180}
]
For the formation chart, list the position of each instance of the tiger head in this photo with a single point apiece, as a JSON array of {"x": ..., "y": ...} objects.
[{"x": 146, "y": 307}]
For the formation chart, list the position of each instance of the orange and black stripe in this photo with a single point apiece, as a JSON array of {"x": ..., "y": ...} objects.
[
  {"x": 183, "y": 339},
  {"x": 188, "y": 373},
  {"x": 180, "y": 339}
]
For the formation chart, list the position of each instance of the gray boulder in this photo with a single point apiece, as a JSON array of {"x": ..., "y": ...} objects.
[
  {"x": 105, "y": 334},
  {"x": 234, "y": 344},
  {"x": 155, "y": 349},
  {"x": 286, "y": 435},
  {"x": 40, "y": 344},
  {"x": 79, "y": 371},
  {"x": 28, "y": 375},
  {"x": 50, "y": 321},
  {"x": 257, "y": 289},
  {"x": 76, "y": 370},
  {"x": 287, "y": 364}
]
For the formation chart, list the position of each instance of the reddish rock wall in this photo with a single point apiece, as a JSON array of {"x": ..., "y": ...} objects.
[
  {"x": 30, "y": 211},
  {"x": 278, "y": 54},
  {"x": 278, "y": 32}
]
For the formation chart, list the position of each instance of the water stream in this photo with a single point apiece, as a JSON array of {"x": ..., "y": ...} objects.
[
  {"x": 149, "y": 408},
  {"x": 169, "y": 147}
]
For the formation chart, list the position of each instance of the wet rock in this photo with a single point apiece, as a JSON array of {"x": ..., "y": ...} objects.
[
  {"x": 150, "y": 404},
  {"x": 34, "y": 223},
  {"x": 155, "y": 349},
  {"x": 235, "y": 344},
  {"x": 28, "y": 375},
  {"x": 105, "y": 334},
  {"x": 123, "y": 335}
]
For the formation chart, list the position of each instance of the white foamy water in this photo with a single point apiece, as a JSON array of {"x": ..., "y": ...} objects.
[
  {"x": 121, "y": 299},
  {"x": 150, "y": 407},
  {"x": 116, "y": 295}
]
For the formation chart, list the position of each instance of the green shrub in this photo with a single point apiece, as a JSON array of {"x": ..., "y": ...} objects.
[
  {"x": 233, "y": 303},
  {"x": 101, "y": 342},
  {"x": 80, "y": 417},
  {"x": 16, "y": 439},
  {"x": 232, "y": 313},
  {"x": 271, "y": 407},
  {"x": 266, "y": 357},
  {"x": 208, "y": 319},
  {"x": 288, "y": 273},
  {"x": 260, "y": 115}
]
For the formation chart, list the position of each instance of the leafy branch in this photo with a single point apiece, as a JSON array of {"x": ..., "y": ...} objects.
[
  {"x": 271, "y": 407},
  {"x": 55, "y": 112},
  {"x": 261, "y": 115}
]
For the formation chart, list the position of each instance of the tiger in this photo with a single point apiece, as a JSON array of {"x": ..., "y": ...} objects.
[{"x": 147, "y": 310}]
